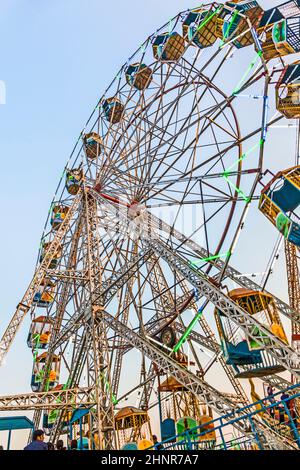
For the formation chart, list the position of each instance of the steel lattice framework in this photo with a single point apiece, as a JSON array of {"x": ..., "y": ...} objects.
[{"x": 141, "y": 239}]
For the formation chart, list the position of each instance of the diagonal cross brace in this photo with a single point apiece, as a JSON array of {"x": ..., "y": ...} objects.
[{"x": 282, "y": 352}]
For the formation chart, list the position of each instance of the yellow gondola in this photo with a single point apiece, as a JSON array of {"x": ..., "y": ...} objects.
[
  {"x": 92, "y": 144},
  {"x": 139, "y": 76},
  {"x": 288, "y": 91},
  {"x": 168, "y": 47},
  {"x": 113, "y": 109},
  {"x": 278, "y": 30}
]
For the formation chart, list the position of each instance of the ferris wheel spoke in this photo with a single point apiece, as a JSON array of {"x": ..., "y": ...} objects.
[
  {"x": 158, "y": 91},
  {"x": 187, "y": 147},
  {"x": 169, "y": 106},
  {"x": 230, "y": 147},
  {"x": 157, "y": 146}
]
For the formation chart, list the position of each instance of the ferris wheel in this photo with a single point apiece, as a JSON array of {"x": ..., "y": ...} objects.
[{"x": 132, "y": 301}]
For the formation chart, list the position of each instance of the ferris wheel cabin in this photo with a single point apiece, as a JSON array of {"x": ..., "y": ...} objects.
[
  {"x": 93, "y": 145},
  {"x": 201, "y": 27},
  {"x": 139, "y": 76},
  {"x": 113, "y": 109},
  {"x": 245, "y": 354},
  {"x": 168, "y": 47},
  {"x": 201, "y": 431},
  {"x": 288, "y": 92},
  {"x": 54, "y": 261},
  {"x": 279, "y": 201},
  {"x": 279, "y": 30},
  {"x": 39, "y": 372},
  {"x": 51, "y": 416},
  {"x": 39, "y": 333},
  {"x": 133, "y": 424},
  {"x": 237, "y": 18},
  {"x": 73, "y": 180},
  {"x": 44, "y": 296},
  {"x": 59, "y": 213}
]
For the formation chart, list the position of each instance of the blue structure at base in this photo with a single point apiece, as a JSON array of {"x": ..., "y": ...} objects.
[
  {"x": 14, "y": 422},
  {"x": 253, "y": 439},
  {"x": 241, "y": 354},
  {"x": 168, "y": 429},
  {"x": 78, "y": 415}
]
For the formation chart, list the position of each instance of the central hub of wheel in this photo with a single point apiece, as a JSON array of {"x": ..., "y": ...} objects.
[{"x": 136, "y": 209}]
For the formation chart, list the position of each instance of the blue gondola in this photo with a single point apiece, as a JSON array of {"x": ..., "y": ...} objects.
[
  {"x": 279, "y": 201},
  {"x": 168, "y": 429},
  {"x": 113, "y": 109},
  {"x": 246, "y": 355}
]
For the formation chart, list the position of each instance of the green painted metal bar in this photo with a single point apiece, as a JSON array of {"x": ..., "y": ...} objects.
[
  {"x": 9, "y": 439},
  {"x": 239, "y": 191},
  {"x": 188, "y": 330},
  {"x": 209, "y": 18},
  {"x": 210, "y": 258},
  {"x": 239, "y": 85},
  {"x": 228, "y": 29},
  {"x": 227, "y": 172}
]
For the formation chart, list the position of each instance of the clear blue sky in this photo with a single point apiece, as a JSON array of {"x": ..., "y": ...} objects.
[{"x": 57, "y": 57}]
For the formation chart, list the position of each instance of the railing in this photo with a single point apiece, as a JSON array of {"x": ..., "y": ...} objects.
[{"x": 253, "y": 439}]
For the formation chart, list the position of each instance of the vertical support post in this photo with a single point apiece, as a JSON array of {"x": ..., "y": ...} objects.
[
  {"x": 159, "y": 407},
  {"x": 255, "y": 433},
  {"x": 294, "y": 428},
  {"x": 188, "y": 440},
  {"x": 80, "y": 430},
  {"x": 9, "y": 439},
  {"x": 70, "y": 432},
  {"x": 222, "y": 435}
]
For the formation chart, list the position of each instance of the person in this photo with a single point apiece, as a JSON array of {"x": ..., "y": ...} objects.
[
  {"x": 73, "y": 444},
  {"x": 88, "y": 437},
  {"x": 290, "y": 403},
  {"x": 270, "y": 392},
  {"x": 186, "y": 426},
  {"x": 157, "y": 445},
  {"x": 60, "y": 445},
  {"x": 37, "y": 441},
  {"x": 50, "y": 446},
  {"x": 284, "y": 396},
  {"x": 83, "y": 444}
]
